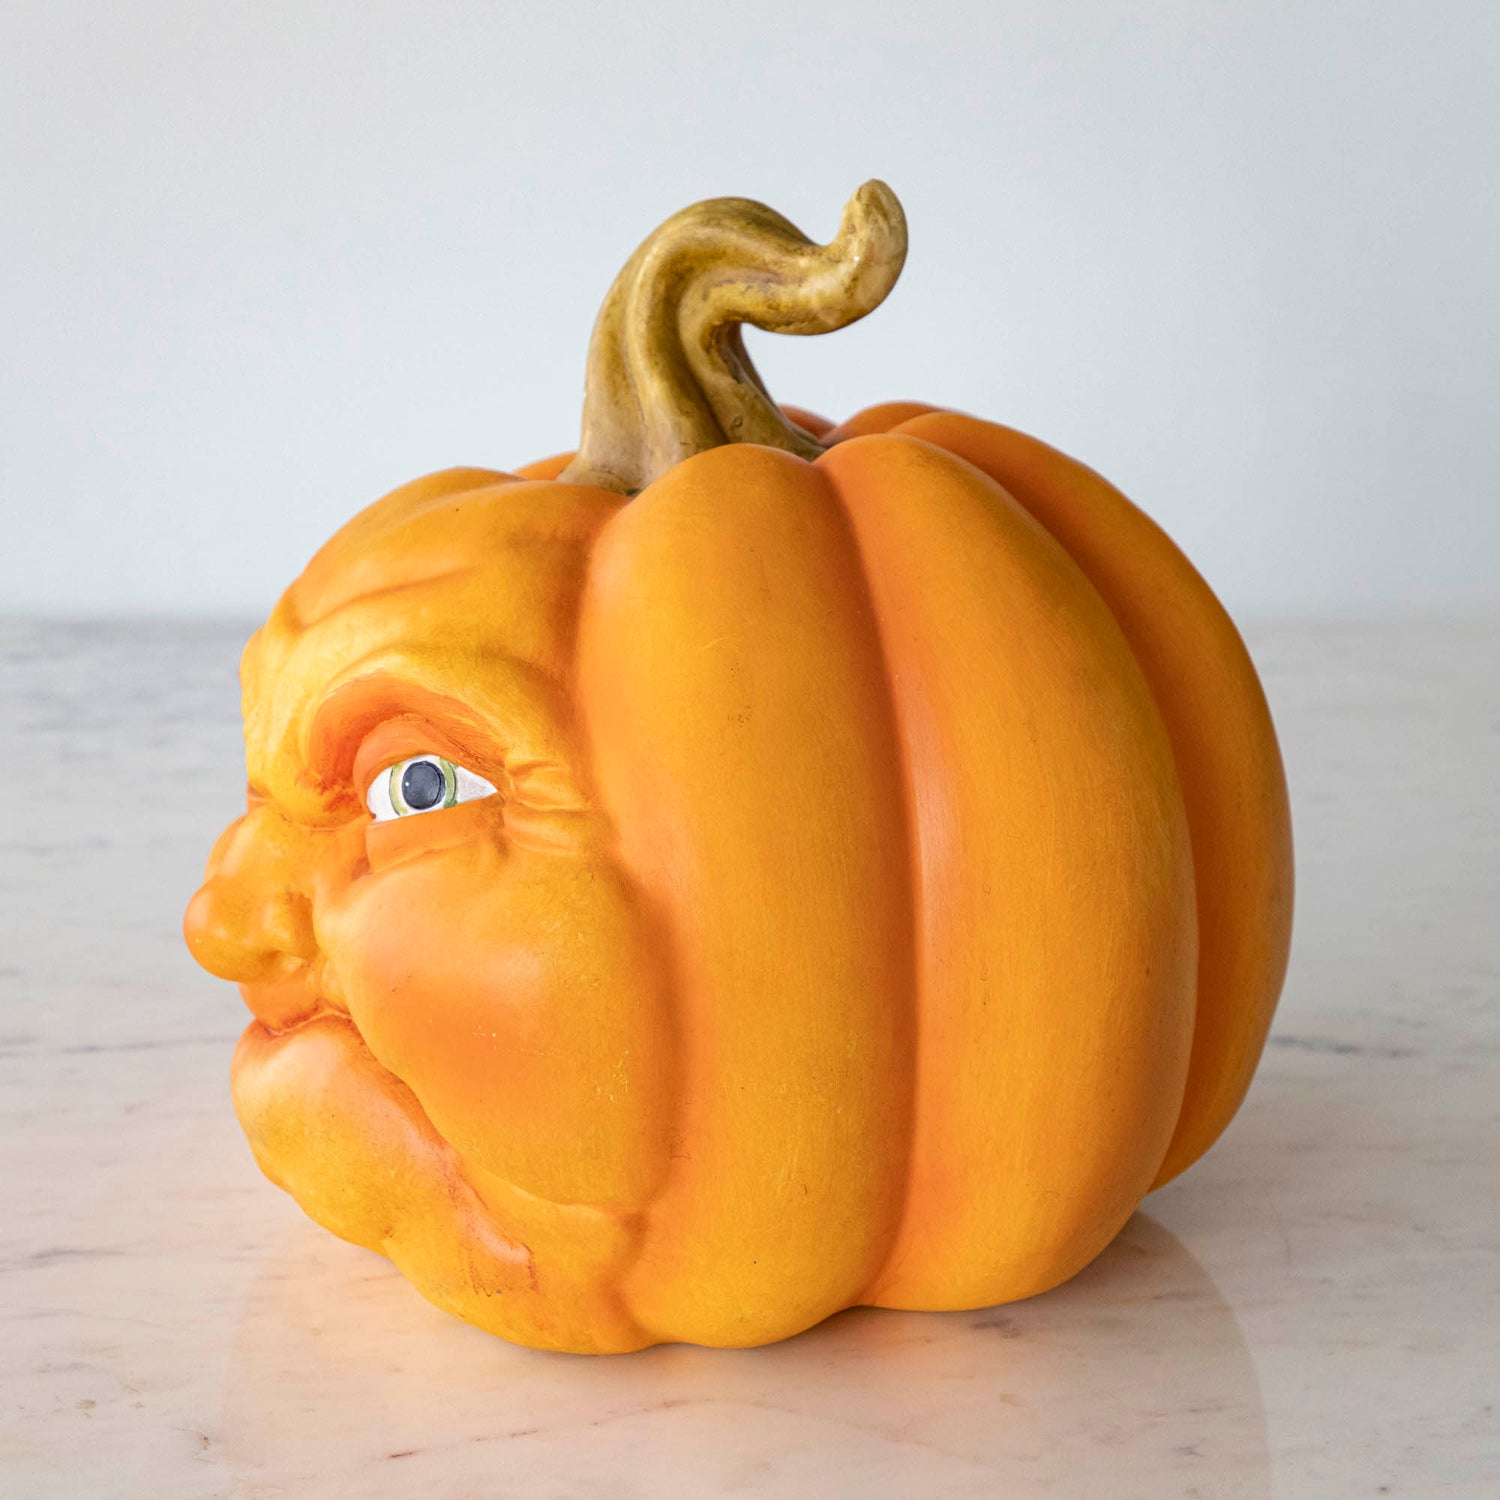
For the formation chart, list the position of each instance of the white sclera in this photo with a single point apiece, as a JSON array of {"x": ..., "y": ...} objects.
[{"x": 467, "y": 787}]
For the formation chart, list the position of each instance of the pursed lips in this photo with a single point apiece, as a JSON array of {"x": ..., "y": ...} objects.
[{"x": 310, "y": 990}]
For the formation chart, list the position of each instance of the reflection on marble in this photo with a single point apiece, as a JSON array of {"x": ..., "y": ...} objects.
[
  {"x": 1311, "y": 1312},
  {"x": 1138, "y": 1356}
]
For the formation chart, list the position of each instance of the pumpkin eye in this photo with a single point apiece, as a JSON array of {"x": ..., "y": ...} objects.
[{"x": 423, "y": 783}]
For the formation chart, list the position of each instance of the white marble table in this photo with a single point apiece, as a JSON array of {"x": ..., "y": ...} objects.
[{"x": 1313, "y": 1311}]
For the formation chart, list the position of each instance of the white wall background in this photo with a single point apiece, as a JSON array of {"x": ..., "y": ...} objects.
[{"x": 263, "y": 261}]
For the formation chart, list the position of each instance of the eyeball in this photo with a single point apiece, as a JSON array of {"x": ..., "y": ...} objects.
[{"x": 423, "y": 783}]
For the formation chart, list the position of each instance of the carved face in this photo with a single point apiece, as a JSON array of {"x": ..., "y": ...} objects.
[{"x": 453, "y": 991}]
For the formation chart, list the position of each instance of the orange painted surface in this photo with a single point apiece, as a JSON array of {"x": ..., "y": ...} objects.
[
  {"x": 878, "y": 877},
  {"x": 1223, "y": 742}
]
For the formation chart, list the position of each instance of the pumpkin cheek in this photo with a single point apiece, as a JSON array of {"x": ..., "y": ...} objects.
[{"x": 514, "y": 992}]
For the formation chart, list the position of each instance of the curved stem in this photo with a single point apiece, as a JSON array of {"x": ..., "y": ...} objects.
[{"x": 668, "y": 375}]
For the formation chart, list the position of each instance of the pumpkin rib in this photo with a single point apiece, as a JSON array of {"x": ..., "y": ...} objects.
[
  {"x": 1223, "y": 741},
  {"x": 743, "y": 749},
  {"x": 1058, "y": 943}
]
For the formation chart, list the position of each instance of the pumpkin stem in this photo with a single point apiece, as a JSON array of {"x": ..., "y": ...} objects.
[{"x": 668, "y": 375}]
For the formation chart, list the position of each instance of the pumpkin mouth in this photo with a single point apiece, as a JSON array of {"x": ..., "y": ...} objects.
[
  {"x": 312, "y": 1096},
  {"x": 307, "y": 989},
  {"x": 307, "y": 1003},
  {"x": 282, "y": 1005},
  {"x": 361, "y": 1087},
  {"x": 351, "y": 1142}
]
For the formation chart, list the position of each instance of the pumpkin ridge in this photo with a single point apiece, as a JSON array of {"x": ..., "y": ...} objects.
[
  {"x": 1059, "y": 942},
  {"x": 742, "y": 752},
  {"x": 1223, "y": 741}
]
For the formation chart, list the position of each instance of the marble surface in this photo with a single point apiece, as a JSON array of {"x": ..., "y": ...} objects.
[{"x": 1313, "y": 1311}]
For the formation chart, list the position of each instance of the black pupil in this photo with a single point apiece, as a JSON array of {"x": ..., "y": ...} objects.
[{"x": 422, "y": 785}]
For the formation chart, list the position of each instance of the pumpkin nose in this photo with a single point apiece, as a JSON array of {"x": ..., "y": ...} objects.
[{"x": 249, "y": 922}]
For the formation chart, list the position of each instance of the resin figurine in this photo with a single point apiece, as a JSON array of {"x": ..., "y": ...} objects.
[{"x": 750, "y": 867}]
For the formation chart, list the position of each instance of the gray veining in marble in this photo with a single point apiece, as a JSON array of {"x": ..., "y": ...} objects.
[{"x": 1313, "y": 1311}]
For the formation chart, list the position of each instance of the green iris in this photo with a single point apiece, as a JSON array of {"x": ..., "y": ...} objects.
[{"x": 423, "y": 783}]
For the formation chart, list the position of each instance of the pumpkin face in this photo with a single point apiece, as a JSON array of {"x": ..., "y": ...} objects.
[{"x": 847, "y": 870}]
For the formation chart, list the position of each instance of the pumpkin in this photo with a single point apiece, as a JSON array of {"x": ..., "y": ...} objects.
[{"x": 750, "y": 867}]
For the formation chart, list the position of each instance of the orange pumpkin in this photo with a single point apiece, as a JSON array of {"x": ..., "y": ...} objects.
[{"x": 748, "y": 868}]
